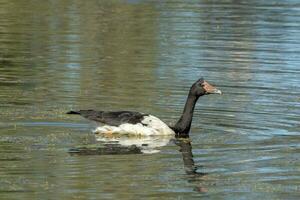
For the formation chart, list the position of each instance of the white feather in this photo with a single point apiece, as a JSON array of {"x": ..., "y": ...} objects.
[{"x": 150, "y": 125}]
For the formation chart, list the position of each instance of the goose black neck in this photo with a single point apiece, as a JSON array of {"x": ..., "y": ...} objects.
[{"x": 182, "y": 127}]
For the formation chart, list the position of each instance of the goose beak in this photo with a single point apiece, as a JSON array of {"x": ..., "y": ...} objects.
[
  {"x": 210, "y": 89},
  {"x": 216, "y": 91}
]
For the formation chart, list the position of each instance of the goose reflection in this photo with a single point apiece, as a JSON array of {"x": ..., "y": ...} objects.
[
  {"x": 146, "y": 144},
  {"x": 124, "y": 144},
  {"x": 191, "y": 169},
  {"x": 187, "y": 155},
  {"x": 133, "y": 144},
  {"x": 128, "y": 144}
]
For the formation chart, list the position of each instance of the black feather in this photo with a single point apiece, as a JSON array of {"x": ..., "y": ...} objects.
[
  {"x": 73, "y": 113},
  {"x": 111, "y": 118}
]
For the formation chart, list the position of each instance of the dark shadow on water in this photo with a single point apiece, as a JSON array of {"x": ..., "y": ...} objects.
[{"x": 106, "y": 149}]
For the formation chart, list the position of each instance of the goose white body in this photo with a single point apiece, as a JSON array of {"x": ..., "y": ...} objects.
[{"x": 150, "y": 125}]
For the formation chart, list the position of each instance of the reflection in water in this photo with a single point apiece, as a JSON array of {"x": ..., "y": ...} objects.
[
  {"x": 189, "y": 165},
  {"x": 125, "y": 144},
  {"x": 106, "y": 149},
  {"x": 147, "y": 144},
  {"x": 132, "y": 144},
  {"x": 187, "y": 156}
]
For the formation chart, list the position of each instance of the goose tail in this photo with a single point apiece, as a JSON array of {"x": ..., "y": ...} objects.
[{"x": 73, "y": 112}]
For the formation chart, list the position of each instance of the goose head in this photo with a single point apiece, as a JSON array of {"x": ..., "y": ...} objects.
[{"x": 202, "y": 87}]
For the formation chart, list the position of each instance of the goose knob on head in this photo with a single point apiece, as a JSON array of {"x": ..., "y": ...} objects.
[{"x": 129, "y": 122}]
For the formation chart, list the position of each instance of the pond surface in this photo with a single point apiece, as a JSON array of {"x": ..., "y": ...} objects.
[{"x": 144, "y": 55}]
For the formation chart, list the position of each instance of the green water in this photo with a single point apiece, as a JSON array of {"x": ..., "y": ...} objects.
[{"x": 56, "y": 56}]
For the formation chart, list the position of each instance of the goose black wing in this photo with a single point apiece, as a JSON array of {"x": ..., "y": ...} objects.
[{"x": 111, "y": 118}]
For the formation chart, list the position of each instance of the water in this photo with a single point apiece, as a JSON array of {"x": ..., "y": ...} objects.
[{"x": 144, "y": 55}]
